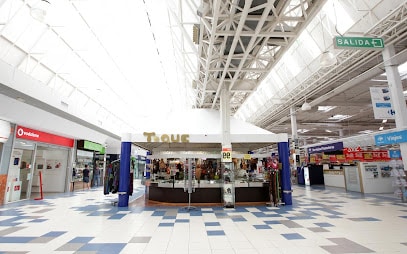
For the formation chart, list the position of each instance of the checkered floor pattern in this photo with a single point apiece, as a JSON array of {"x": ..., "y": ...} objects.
[{"x": 321, "y": 220}]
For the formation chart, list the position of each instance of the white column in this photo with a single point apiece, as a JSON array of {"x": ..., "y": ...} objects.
[
  {"x": 294, "y": 135},
  {"x": 225, "y": 116},
  {"x": 294, "y": 132},
  {"x": 396, "y": 92}
]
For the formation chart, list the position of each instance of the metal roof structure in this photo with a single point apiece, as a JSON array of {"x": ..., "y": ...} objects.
[{"x": 107, "y": 65}]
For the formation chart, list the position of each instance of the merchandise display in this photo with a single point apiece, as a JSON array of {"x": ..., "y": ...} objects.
[
  {"x": 211, "y": 181},
  {"x": 399, "y": 181}
]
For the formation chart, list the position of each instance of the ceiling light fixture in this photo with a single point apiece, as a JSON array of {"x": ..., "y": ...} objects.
[
  {"x": 327, "y": 59},
  {"x": 39, "y": 11},
  {"x": 306, "y": 106}
]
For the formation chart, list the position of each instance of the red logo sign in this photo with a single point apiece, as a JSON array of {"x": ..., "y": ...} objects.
[
  {"x": 17, "y": 187},
  {"x": 30, "y": 134}
]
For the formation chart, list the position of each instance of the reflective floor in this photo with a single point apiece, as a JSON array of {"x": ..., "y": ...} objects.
[{"x": 321, "y": 220}]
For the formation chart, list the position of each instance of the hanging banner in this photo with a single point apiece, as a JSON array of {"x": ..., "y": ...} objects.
[{"x": 381, "y": 102}]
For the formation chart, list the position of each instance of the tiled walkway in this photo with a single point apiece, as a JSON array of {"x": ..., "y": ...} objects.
[{"x": 321, "y": 220}]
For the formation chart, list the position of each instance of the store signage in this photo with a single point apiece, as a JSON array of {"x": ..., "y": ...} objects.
[
  {"x": 226, "y": 155},
  {"x": 367, "y": 156},
  {"x": 44, "y": 137},
  {"x": 93, "y": 146},
  {"x": 352, "y": 149},
  {"x": 381, "y": 102},
  {"x": 341, "y": 42},
  {"x": 391, "y": 138},
  {"x": 247, "y": 156},
  {"x": 326, "y": 148},
  {"x": 395, "y": 154},
  {"x": 166, "y": 138}
]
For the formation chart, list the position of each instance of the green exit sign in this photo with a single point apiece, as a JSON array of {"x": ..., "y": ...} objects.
[{"x": 358, "y": 43}]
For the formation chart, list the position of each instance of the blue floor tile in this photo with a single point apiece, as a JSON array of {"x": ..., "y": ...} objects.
[
  {"x": 293, "y": 236},
  {"x": 238, "y": 219},
  {"x": 81, "y": 239},
  {"x": 108, "y": 248},
  {"x": 54, "y": 234},
  {"x": 164, "y": 224},
  {"x": 16, "y": 239},
  {"x": 209, "y": 224},
  {"x": 262, "y": 226},
  {"x": 323, "y": 224},
  {"x": 158, "y": 213},
  {"x": 215, "y": 232},
  {"x": 116, "y": 216},
  {"x": 169, "y": 217},
  {"x": 270, "y": 222},
  {"x": 182, "y": 221}
]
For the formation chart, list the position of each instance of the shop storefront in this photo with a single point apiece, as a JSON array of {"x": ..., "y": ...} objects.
[
  {"x": 38, "y": 159},
  {"x": 93, "y": 155}
]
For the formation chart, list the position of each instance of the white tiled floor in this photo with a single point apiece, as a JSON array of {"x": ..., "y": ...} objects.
[{"x": 321, "y": 220}]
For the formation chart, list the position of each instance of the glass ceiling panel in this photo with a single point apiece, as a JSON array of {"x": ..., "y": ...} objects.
[{"x": 123, "y": 54}]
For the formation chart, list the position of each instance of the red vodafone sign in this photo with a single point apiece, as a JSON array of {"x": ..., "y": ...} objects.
[{"x": 39, "y": 136}]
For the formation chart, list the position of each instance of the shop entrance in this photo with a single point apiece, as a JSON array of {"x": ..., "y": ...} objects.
[
  {"x": 52, "y": 162},
  {"x": 26, "y": 150}
]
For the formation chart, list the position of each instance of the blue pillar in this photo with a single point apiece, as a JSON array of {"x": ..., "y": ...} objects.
[
  {"x": 284, "y": 157},
  {"x": 124, "y": 180},
  {"x": 148, "y": 168}
]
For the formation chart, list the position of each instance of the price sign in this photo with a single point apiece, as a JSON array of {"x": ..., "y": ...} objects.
[{"x": 226, "y": 155}]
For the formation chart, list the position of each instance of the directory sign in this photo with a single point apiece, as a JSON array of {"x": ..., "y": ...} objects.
[
  {"x": 391, "y": 138},
  {"x": 381, "y": 102}
]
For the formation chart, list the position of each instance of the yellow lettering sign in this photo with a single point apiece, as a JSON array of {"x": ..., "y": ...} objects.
[{"x": 166, "y": 138}]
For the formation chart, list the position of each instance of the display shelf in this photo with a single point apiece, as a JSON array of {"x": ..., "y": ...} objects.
[{"x": 228, "y": 187}]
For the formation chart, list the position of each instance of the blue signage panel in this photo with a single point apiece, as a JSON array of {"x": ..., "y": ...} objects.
[
  {"x": 394, "y": 154},
  {"x": 326, "y": 148},
  {"x": 391, "y": 138}
]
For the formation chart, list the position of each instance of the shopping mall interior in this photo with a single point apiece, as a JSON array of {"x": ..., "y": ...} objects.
[{"x": 255, "y": 126}]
